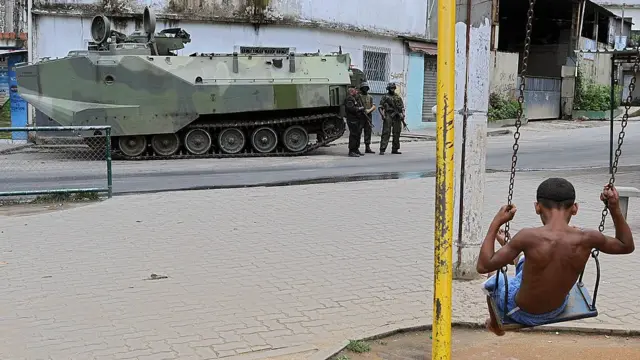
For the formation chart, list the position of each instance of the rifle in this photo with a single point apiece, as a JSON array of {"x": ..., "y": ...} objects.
[
  {"x": 365, "y": 113},
  {"x": 368, "y": 119},
  {"x": 404, "y": 123},
  {"x": 398, "y": 116}
]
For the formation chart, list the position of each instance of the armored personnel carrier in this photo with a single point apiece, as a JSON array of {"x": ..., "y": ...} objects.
[{"x": 161, "y": 105}]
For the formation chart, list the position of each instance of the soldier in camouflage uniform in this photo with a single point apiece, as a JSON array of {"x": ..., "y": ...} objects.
[
  {"x": 354, "y": 112},
  {"x": 392, "y": 111},
  {"x": 367, "y": 123}
]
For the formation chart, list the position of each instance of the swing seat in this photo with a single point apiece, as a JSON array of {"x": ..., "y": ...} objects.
[{"x": 578, "y": 307}]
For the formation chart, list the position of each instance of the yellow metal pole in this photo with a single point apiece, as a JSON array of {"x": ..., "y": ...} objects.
[{"x": 443, "y": 235}]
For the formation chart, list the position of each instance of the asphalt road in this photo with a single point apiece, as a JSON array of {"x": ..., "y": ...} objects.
[{"x": 541, "y": 147}]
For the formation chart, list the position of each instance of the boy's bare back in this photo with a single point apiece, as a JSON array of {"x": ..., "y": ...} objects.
[
  {"x": 555, "y": 258},
  {"x": 555, "y": 253}
]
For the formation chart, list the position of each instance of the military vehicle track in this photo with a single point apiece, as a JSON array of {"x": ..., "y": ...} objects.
[{"x": 331, "y": 134}]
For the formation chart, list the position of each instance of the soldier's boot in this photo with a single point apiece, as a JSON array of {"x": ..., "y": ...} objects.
[
  {"x": 381, "y": 152},
  {"x": 353, "y": 154},
  {"x": 396, "y": 152},
  {"x": 368, "y": 150},
  {"x": 359, "y": 152}
]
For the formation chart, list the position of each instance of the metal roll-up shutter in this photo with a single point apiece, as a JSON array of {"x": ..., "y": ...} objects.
[{"x": 430, "y": 82}]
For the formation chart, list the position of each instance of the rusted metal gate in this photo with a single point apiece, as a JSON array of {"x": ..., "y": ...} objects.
[{"x": 542, "y": 97}]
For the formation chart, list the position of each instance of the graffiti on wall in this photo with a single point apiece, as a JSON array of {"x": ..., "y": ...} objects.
[
  {"x": 398, "y": 79},
  {"x": 504, "y": 75}
]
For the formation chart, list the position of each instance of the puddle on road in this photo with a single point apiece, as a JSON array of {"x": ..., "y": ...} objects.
[
  {"x": 322, "y": 180},
  {"x": 353, "y": 178},
  {"x": 470, "y": 344}
]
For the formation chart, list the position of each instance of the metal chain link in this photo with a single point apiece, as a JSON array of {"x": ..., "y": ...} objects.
[
  {"x": 516, "y": 137},
  {"x": 623, "y": 125},
  {"x": 516, "y": 134}
]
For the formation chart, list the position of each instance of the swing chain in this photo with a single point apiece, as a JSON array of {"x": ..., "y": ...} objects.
[
  {"x": 618, "y": 152},
  {"x": 516, "y": 134}
]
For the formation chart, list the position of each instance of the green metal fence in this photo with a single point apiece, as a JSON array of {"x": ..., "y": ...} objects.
[{"x": 55, "y": 160}]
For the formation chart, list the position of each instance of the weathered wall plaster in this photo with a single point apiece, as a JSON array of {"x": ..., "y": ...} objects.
[
  {"x": 13, "y": 16},
  {"x": 221, "y": 38},
  {"x": 504, "y": 73},
  {"x": 375, "y": 16},
  {"x": 596, "y": 67}
]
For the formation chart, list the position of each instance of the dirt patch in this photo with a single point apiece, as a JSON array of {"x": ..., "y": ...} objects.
[
  {"x": 33, "y": 209},
  {"x": 480, "y": 345}
]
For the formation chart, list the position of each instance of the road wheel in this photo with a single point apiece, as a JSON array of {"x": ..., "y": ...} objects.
[
  {"x": 132, "y": 146},
  {"x": 165, "y": 144},
  {"x": 295, "y": 138},
  {"x": 198, "y": 141},
  {"x": 231, "y": 140},
  {"x": 264, "y": 139}
]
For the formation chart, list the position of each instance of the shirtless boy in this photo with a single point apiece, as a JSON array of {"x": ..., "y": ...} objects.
[{"x": 555, "y": 253}]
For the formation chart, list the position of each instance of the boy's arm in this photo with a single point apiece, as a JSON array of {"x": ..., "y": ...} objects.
[
  {"x": 490, "y": 260},
  {"x": 623, "y": 242}
]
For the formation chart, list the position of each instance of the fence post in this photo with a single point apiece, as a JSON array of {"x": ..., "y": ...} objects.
[{"x": 109, "y": 172}]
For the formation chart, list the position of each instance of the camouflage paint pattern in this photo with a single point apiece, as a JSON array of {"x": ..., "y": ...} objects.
[{"x": 144, "y": 94}]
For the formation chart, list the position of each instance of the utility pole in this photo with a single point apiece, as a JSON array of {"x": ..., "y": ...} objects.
[
  {"x": 473, "y": 43},
  {"x": 443, "y": 234}
]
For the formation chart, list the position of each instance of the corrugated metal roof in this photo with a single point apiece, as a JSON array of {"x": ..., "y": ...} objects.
[{"x": 5, "y": 52}]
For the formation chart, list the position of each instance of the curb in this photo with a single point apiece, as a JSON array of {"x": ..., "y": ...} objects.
[
  {"x": 499, "y": 132},
  {"x": 392, "y": 330},
  {"x": 406, "y": 138},
  {"x": 15, "y": 148}
]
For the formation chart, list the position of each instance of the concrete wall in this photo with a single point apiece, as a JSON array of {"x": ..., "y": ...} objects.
[
  {"x": 415, "y": 91},
  {"x": 629, "y": 12},
  {"x": 3, "y": 15},
  {"x": 567, "y": 91},
  {"x": 547, "y": 60},
  {"x": 13, "y": 17},
  {"x": 595, "y": 66},
  {"x": 504, "y": 72},
  {"x": 432, "y": 19},
  {"x": 355, "y": 15}
]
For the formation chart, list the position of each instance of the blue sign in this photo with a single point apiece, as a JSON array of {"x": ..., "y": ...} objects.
[
  {"x": 4, "y": 82},
  {"x": 18, "y": 105}
]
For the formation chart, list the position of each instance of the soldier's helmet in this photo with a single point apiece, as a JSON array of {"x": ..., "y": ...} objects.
[
  {"x": 364, "y": 86},
  {"x": 391, "y": 86}
]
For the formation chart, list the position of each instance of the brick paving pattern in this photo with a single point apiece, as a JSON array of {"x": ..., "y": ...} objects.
[{"x": 252, "y": 269}]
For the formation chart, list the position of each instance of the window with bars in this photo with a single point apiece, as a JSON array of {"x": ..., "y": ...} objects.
[{"x": 376, "y": 65}]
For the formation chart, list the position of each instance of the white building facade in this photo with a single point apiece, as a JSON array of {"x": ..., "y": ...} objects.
[
  {"x": 386, "y": 39},
  {"x": 629, "y": 9}
]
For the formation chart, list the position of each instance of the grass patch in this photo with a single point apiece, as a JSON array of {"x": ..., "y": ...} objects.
[
  {"x": 358, "y": 346},
  {"x": 342, "y": 357},
  {"x": 5, "y": 119},
  {"x": 501, "y": 107},
  {"x": 66, "y": 197}
]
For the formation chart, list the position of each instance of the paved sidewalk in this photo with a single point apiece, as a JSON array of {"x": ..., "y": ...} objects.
[{"x": 252, "y": 269}]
